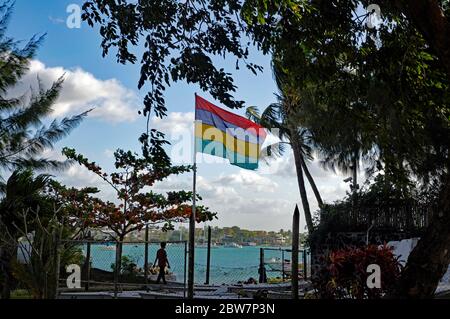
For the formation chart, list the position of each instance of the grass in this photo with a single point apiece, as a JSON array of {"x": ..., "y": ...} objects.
[{"x": 20, "y": 294}]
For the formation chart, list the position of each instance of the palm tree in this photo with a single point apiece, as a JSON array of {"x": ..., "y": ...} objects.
[
  {"x": 23, "y": 136},
  {"x": 280, "y": 115},
  {"x": 21, "y": 192}
]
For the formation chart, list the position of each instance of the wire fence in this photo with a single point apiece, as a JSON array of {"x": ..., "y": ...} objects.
[
  {"x": 276, "y": 263},
  {"x": 243, "y": 265},
  {"x": 97, "y": 262},
  {"x": 109, "y": 265}
]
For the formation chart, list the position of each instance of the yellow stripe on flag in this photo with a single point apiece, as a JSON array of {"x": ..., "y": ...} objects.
[{"x": 211, "y": 133}]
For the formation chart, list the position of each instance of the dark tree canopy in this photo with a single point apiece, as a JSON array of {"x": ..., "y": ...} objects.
[{"x": 179, "y": 39}]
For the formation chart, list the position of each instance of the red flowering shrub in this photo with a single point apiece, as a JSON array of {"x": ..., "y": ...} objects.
[{"x": 344, "y": 274}]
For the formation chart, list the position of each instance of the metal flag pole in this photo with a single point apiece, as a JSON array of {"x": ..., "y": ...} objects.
[{"x": 192, "y": 221}]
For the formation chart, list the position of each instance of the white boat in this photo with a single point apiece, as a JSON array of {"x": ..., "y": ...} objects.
[
  {"x": 276, "y": 264},
  {"x": 232, "y": 245},
  {"x": 205, "y": 246}
]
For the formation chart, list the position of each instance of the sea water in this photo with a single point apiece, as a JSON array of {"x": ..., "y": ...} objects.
[{"x": 228, "y": 265}]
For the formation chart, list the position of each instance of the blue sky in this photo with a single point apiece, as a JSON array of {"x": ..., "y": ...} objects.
[{"x": 95, "y": 81}]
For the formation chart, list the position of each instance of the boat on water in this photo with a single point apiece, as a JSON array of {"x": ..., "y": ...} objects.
[
  {"x": 250, "y": 244},
  {"x": 206, "y": 246},
  {"x": 232, "y": 245},
  {"x": 276, "y": 264}
]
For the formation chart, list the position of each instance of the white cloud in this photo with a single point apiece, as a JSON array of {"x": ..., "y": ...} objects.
[
  {"x": 248, "y": 179},
  {"x": 79, "y": 176},
  {"x": 175, "y": 123},
  {"x": 108, "y": 153},
  {"x": 56, "y": 20},
  {"x": 174, "y": 183},
  {"x": 282, "y": 166},
  {"x": 82, "y": 91}
]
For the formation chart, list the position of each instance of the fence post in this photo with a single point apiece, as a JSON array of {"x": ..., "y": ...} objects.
[
  {"x": 117, "y": 267},
  {"x": 57, "y": 263},
  {"x": 305, "y": 264},
  {"x": 208, "y": 257},
  {"x": 294, "y": 263},
  {"x": 146, "y": 255},
  {"x": 262, "y": 269},
  {"x": 185, "y": 268},
  {"x": 282, "y": 265},
  {"x": 87, "y": 265}
]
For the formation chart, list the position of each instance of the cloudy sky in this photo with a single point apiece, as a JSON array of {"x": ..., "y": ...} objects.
[{"x": 262, "y": 199}]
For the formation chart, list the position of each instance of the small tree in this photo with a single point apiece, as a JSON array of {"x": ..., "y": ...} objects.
[{"x": 139, "y": 206}]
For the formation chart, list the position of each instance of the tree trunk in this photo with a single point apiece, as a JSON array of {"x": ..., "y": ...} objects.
[
  {"x": 429, "y": 260},
  {"x": 118, "y": 265},
  {"x": 355, "y": 173},
  {"x": 298, "y": 158},
  {"x": 312, "y": 183},
  {"x": 119, "y": 247}
]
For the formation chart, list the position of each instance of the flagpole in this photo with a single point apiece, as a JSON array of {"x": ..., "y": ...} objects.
[{"x": 192, "y": 221}]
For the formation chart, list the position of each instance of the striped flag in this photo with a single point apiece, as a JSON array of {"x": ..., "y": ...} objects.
[{"x": 227, "y": 135}]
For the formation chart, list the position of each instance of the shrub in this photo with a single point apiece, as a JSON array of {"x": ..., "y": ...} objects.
[
  {"x": 344, "y": 274},
  {"x": 127, "y": 265}
]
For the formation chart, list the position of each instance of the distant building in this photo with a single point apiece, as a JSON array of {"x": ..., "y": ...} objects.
[
  {"x": 280, "y": 240},
  {"x": 227, "y": 239},
  {"x": 103, "y": 234}
]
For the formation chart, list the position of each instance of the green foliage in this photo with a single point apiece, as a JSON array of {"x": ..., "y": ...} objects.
[
  {"x": 344, "y": 273},
  {"x": 380, "y": 94},
  {"x": 127, "y": 265},
  {"x": 20, "y": 294},
  {"x": 71, "y": 255},
  {"x": 377, "y": 200},
  {"x": 22, "y": 192},
  {"x": 33, "y": 211}
]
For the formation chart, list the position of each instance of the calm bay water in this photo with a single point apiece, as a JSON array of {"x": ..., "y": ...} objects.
[{"x": 228, "y": 265}]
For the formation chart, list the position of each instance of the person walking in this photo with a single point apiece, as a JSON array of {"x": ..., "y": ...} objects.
[{"x": 161, "y": 258}]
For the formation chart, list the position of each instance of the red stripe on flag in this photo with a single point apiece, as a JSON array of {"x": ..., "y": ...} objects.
[{"x": 201, "y": 103}]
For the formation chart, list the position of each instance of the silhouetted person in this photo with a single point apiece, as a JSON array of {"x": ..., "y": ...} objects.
[{"x": 161, "y": 257}]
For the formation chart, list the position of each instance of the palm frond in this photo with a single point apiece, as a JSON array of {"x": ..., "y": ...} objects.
[
  {"x": 40, "y": 106},
  {"x": 39, "y": 164},
  {"x": 253, "y": 114}
]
